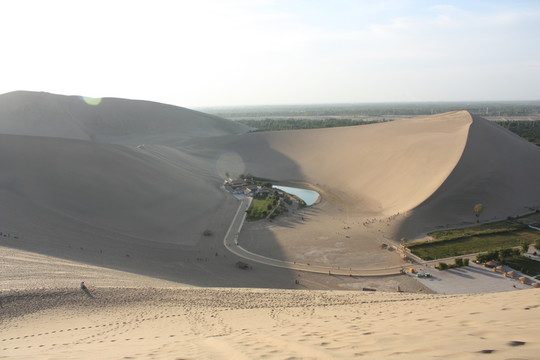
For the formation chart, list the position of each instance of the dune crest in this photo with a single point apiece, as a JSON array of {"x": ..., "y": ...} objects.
[
  {"x": 497, "y": 168},
  {"x": 379, "y": 169},
  {"x": 110, "y": 120}
]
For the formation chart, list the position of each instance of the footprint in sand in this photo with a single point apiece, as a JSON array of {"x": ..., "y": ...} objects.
[{"x": 489, "y": 351}]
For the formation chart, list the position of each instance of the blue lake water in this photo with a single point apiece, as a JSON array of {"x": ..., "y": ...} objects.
[{"x": 309, "y": 196}]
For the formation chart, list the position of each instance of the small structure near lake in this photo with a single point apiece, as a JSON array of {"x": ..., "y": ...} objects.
[{"x": 246, "y": 185}]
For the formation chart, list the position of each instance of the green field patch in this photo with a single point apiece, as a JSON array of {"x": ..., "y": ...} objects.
[
  {"x": 261, "y": 208},
  {"x": 485, "y": 237},
  {"x": 499, "y": 227},
  {"x": 463, "y": 246}
]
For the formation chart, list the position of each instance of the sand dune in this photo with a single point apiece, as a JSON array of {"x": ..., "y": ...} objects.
[
  {"x": 498, "y": 169},
  {"x": 275, "y": 324},
  {"x": 68, "y": 191},
  {"x": 80, "y": 201},
  {"x": 106, "y": 120},
  {"x": 429, "y": 170},
  {"x": 380, "y": 168},
  {"x": 113, "y": 188}
]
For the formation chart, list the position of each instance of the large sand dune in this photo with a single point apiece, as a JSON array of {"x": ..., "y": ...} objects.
[
  {"x": 430, "y": 170},
  {"x": 66, "y": 187},
  {"x": 80, "y": 201},
  {"x": 106, "y": 120},
  {"x": 379, "y": 169},
  {"x": 497, "y": 168},
  {"x": 110, "y": 187}
]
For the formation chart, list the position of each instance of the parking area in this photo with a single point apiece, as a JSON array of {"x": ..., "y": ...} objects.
[{"x": 469, "y": 280}]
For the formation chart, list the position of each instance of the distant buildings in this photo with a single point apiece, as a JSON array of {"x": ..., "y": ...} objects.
[{"x": 246, "y": 185}]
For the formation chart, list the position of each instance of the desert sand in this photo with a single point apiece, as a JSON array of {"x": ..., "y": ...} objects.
[
  {"x": 145, "y": 182},
  {"x": 196, "y": 323},
  {"x": 120, "y": 193}
]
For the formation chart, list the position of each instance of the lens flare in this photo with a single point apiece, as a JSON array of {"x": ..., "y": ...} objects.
[
  {"x": 229, "y": 164},
  {"x": 91, "y": 101}
]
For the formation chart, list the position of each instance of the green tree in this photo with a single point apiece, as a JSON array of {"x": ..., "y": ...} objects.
[
  {"x": 524, "y": 246},
  {"x": 443, "y": 266},
  {"x": 490, "y": 255},
  {"x": 537, "y": 244},
  {"x": 505, "y": 253}
]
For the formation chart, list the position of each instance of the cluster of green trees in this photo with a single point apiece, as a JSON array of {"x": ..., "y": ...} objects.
[
  {"x": 291, "y": 124},
  {"x": 458, "y": 262},
  {"x": 498, "y": 255},
  {"x": 529, "y": 130},
  {"x": 513, "y": 258}
]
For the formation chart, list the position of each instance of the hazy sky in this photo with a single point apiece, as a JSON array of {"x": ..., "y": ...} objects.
[{"x": 204, "y": 53}]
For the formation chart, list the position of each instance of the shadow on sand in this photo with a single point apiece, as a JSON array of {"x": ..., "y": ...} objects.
[{"x": 87, "y": 292}]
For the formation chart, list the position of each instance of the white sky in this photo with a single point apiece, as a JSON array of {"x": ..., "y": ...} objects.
[{"x": 212, "y": 53}]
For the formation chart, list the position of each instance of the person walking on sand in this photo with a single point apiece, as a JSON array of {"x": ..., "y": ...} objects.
[{"x": 83, "y": 286}]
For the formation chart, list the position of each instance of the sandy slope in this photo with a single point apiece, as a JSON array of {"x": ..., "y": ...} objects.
[
  {"x": 141, "y": 323},
  {"x": 110, "y": 120},
  {"x": 113, "y": 188},
  {"x": 379, "y": 168},
  {"x": 117, "y": 205},
  {"x": 143, "y": 210},
  {"x": 429, "y": 170},
  {"x": 498, "y": 169}
]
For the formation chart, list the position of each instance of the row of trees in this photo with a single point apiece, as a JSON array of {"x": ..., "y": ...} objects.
[
  {"x": 458, "y": 262},
  {"x": 502, "y": 254},
  {"x": 292, "y": 123},
  {"x": 529, "y": 130},
  {"x": 508, "y": 108}
]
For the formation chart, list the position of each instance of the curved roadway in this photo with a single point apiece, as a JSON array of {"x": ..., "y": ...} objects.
[{"x": 231, "y": 243}]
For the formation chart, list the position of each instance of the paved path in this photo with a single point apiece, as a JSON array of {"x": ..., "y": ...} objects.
[
  {"x": 231, "y": 243},
  {"x": 469, "y": 280}
]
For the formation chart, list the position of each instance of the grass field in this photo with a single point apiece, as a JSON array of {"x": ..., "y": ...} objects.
[
  {"x": 485, "y": 237},
  {"x": 260, "y": 208}
]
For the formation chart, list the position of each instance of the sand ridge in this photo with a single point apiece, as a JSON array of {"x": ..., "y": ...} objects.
[
  {"x": 497, "y": 168},
  {"x": 111, "y": 120}
]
